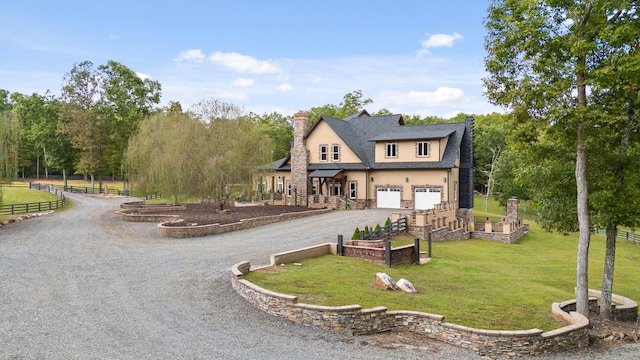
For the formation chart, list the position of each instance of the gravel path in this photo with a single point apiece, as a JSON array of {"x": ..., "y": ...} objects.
[{"x": 79, "y": 284}]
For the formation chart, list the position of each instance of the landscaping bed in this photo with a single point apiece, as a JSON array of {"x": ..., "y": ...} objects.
[{"x": 208, "y": 213}]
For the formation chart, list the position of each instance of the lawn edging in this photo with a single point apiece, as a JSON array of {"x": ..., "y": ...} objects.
[
  {"x": 352, "y": 319},
  {"x": 213, "y": 229}
]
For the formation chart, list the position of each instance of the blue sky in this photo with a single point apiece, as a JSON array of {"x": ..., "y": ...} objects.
[{"x": 413, "y": 57}]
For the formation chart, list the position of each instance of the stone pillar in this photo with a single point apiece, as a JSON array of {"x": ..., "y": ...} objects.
[
  {"x": 512, "y": 210},
  {"x": 299, "y": 160}
]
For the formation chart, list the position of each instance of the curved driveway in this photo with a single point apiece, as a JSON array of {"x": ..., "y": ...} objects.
[{"x": 79, "y": 284}]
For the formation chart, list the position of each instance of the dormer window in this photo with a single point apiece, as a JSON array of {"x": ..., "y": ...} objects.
[
  {"x": 335, "y": 152},
  {"x": 323, "y": 152},
  {"x": 422, "y": 149},
  {"x": 391, "y": 150}
]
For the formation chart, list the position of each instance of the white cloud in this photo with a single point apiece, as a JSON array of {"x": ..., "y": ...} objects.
[
  {"x": 438, "y": 40},
  {"x": 195, "y": 56},
  {"x": 242, "y": 82},
  {"x": 284, "y": 87},
  {"x": 143, "y": 76},
  {"x": 243, "y": 63},
  {"x": 442, "y": 95}
]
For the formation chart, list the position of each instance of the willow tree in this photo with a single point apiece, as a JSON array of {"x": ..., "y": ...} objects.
[
  {"x": 198, "y": 154},
  {"x": 232, "y": 150},
  {"x": 160, "y": 156},
  {"x": 541, "y": 59}
]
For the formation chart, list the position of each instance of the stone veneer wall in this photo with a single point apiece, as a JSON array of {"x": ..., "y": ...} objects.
[
  {"x": 299, "y": 161},
  {"x": 212, "y": 229},
  {"x": 352, "y": 319},
  {"x": 376, "y": 254}
]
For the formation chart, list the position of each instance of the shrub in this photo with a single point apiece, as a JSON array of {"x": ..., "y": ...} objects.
[
  {"x": 366, "y": 232},
  {"x": 356, "y": 234}
]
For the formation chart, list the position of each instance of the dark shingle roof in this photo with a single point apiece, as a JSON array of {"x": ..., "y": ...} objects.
[{"x": 361, "y": 131}]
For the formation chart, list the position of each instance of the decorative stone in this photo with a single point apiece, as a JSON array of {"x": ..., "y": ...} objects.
[
  {"x": 385, "y": 281},
  {"x": 406, "y": 286}
]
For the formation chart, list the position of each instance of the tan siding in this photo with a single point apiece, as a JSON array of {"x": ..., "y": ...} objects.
[
  {"x": 407, "y": 151},
  {"x": 419, "y": 178},
  {"x": 324, "y": 135}
]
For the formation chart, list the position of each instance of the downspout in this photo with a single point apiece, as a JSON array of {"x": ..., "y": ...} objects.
[
  {"x": 448, "y": 185},
  {"x": 366, "y": 186}
]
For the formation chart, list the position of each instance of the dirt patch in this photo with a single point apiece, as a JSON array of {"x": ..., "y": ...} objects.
[{"x": 205, "y": 214}]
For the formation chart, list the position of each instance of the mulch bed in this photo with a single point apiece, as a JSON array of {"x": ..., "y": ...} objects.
[{"x": 206, "y": 213}]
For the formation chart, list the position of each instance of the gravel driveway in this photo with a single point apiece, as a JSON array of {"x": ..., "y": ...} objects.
[{"x": 79, "y": 284}]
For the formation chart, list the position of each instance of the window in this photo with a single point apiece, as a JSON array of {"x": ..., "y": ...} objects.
[
  {"x": 335, "y": 152},
  {"x": 280, "y": 185},
  {"x": 323, "y": 152},
  {"x": 289, "y": 188},
  {"x": 315, "y": 187},
  {"x": 353, "y": 193},
  {"x": 335, "y": 189},
  {"x": 455, "y": 191},
  {"x": 423, "y": 149},
  {"x": 391, "y": 150}
]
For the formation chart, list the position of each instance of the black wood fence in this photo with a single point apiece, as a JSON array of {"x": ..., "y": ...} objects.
[
  {"x": 12, "y": 209},
  {"x": 391, "y": 228},
  {"x": 622, "y": 234}
]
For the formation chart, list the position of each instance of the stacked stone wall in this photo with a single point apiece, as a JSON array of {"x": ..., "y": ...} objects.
[
  {"x": 212, "y": 229},
  {"x": 352, "y": 319}
]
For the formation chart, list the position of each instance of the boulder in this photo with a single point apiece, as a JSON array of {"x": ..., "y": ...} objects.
[
  {"x": 385, "y": 281},
  {"x": 406, "y": 286}
]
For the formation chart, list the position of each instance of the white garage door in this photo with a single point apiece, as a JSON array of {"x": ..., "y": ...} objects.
[
  {"x": 426, "y": 198},
  {"x": 388, "y": 198}
]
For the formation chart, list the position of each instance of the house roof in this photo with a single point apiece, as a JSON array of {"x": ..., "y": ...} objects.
[
  {"x": 329, "y": 173},
  {"x": 360, "y": 132}
]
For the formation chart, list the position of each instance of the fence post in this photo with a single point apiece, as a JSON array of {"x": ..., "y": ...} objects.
[
  {"x": 429, "y": 243},
  {"x": 387, "y": 253},
  {"x": 340, "y": 244},
  {"x": 416, "y": 250}
]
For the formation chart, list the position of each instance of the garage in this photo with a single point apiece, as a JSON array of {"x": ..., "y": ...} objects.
[
  {"x": 388, "y": 198},
  {"x": 427, "y": 198}
]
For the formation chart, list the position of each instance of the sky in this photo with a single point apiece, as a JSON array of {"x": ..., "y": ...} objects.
[{"x": 415, "y": 57}]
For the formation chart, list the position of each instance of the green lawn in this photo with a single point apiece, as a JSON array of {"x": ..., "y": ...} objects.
[
  {"x": 19, "y": 193},
  {"x": 474, "y": 283}
]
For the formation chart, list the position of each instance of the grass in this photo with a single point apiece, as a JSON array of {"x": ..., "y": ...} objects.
[
  {"x": 19, "y": 193},
  {"x": 473, "y": 283}
]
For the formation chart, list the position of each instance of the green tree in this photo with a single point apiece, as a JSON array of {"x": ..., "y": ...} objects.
[
  {"x": 351, "y": 103},
  {"x": 541, "y": 59},
  {"x": 200, "y": 153},
  {"x": 81, "y": 120},
  {"x": 9, "y": 141},
  {"x": 279, "y": 128},
  {"x": 126, "y": 99}
]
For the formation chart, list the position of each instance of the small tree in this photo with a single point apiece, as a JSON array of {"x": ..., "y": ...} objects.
[
  {"x": 356, "y": 234},
  {"x": 367, "y": 233}
]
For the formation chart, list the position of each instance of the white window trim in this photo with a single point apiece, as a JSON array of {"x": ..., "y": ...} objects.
[
  {"x": 325, "y": 152},
  {"x": 288, "y": 188},
  {"x": 335, "y": 155},
  {"x": 389, "y": 146},
  {"x": 423, "y": 145},
  {"x": 353, "y": 190}
]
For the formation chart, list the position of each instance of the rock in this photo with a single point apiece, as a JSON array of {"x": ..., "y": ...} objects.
[
  {"x": 619, "y": 334},
  {"x": 297, "y": 264},
  {"x": 406, "y": 286},
  {"x": 385, "y": 281}
]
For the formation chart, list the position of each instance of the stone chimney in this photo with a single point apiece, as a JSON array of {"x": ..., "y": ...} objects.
[{"x": 299, "y": 161}]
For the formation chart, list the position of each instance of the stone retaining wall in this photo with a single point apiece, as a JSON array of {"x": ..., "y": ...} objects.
[
  {"x": 145, "y": 213},
  {"x": 212, "y": 229},
  {"x": 352, "y": 319}
]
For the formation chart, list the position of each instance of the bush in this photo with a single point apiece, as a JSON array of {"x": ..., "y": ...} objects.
[
  {"x": 356, "y": 234},
  {"x": 366, "y": 232},
  {"x": 377, "y": 229}
]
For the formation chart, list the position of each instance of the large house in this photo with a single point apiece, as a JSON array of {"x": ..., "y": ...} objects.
[{"x": 366, "y": 161}]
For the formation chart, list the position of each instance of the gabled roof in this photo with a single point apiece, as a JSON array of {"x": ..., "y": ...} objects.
[{"x": 360, "y": 132}]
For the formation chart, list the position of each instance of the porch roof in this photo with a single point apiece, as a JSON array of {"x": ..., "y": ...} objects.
[{"x": 325, "y": 173}]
